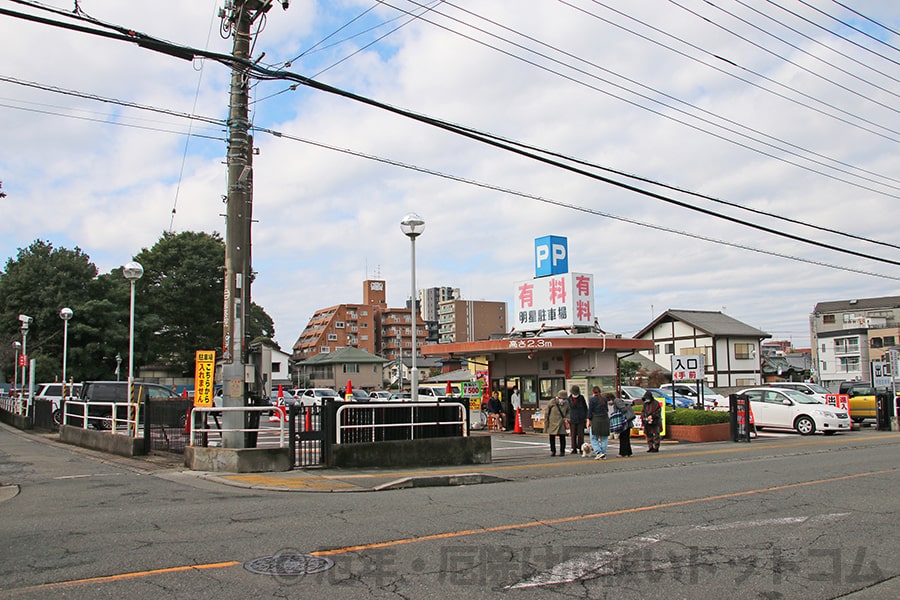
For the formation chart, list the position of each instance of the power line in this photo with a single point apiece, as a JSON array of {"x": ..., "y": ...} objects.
[{"x": 269, "y": 74}]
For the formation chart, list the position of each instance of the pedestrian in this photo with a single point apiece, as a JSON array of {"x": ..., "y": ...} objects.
[
  {"x": 516, "y": 401},
  {"x": 598, "y": 421},
  {"x": 556, "y": 420},
  {"x": 624, "y": 406},
  {"x": 651, "y": 419},
  {"x": 578, "y": 414},
  {"x": 495, "y": 412}
]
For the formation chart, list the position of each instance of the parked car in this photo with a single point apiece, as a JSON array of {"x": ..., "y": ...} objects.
[
  {"x": 104, "y": 392},
  {"x": 54, "y": 393},
  {"x": 287, "y": 398},
  {"x": 380, "y": 395},
  {"x": 360, "y": 396},
  {"x": 862, "y": 399},
  {"x": 789, "y": 409},
  {"x": 711, "y": 399},
  {"x": 810, "y": 389},
  {"x": 632, "y": 392},
  {"x": 315, "y": 396},
  {"x": 678, "y": 401}
]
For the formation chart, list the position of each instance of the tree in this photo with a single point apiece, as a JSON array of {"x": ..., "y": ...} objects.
[{"x": 38, "y": 282}]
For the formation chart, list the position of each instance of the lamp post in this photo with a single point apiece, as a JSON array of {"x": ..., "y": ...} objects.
[
  {"x": 65, "y": 314},
  {"x": 118, "y": 365},
  {"x": 16, "y": 345},
  {"x": 26, "y": 321},
  {"x": 412, "y": 226},
  {"x": 132, "y": 272}
]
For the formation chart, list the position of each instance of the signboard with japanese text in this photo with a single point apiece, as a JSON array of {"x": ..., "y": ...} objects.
[
  {"x": 688, "y": 367},
  {"x": 558, "y": 301},
  {"x": 841, "y": 401},
  {"x": 881, "y": 373},
  {"x": 203, "y": 377}
]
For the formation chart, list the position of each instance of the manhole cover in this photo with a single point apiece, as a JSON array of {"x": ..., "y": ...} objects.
[{"x": 289, "y": 563}]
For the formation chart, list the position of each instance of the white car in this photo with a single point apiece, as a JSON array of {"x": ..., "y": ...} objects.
[
  {"x": 810, "y": 389},
  {"x": 789, "y": 409},
  {"x": 711, "y": 399},
  {"x": 315, "y": 396},
  {"x": 54, "y": 393}
]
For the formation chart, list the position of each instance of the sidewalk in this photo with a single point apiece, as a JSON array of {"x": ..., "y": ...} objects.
[{"x": 532, "y": 462}]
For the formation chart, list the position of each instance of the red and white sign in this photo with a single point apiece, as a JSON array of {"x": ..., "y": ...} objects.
[
  {"x": 557, "y": 301},
  {"x": 688, "y": 367},
  {"x": 841, "y": 401}
]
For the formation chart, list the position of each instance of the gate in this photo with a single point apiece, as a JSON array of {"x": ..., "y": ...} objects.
[
  {"x": 308, "y": 437},
  {"x": 164, "y": 425}
]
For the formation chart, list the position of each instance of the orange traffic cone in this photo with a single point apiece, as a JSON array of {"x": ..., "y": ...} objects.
[
  {"x": 449, "y": 390},
  {"x": 518, "y": 427},
  {"x": 348, "y": 395}
]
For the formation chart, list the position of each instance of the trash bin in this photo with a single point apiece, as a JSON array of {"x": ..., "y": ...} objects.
[{"x": 883, "y": 411}]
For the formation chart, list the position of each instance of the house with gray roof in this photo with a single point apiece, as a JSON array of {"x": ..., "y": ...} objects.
[
  {"x": 334, "y": 369},
  {"x": 731, "y": 349}
]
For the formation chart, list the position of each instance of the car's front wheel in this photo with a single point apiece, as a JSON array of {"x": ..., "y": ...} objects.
[{"x": 805, "y": 426}]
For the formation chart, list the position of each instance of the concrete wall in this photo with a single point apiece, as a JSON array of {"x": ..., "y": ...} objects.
[
  {"x": 104, "y": 441},
  {"x": 414, "y": 453},
  {"x": 237, "y": 460}
]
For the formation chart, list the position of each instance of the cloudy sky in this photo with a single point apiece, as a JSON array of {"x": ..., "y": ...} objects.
[{"x": 778, "y": 113}]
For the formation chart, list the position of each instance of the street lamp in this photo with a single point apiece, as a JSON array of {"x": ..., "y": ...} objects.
[
  {"x": 16, "y": 346},
  {"x": 132, "y": 272},
  {"x": 26, "y": 321},
  {"x": 412, "y": 226},
  {"x": 118, "y": 365},
  {"x": 65, "y": 314}
]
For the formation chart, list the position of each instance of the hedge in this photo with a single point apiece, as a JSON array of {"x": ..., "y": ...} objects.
[{"x": 692, "y": 416}]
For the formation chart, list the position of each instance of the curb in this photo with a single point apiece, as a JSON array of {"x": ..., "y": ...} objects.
[{"x": 440, "y": 481}]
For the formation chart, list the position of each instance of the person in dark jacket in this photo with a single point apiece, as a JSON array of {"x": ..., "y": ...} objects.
[
  {"x": 624, "y": 406},
  {"x": 578, "y": 413},
  {"x": 598, "y": 417},
  {"x": 651, "y": 420}
]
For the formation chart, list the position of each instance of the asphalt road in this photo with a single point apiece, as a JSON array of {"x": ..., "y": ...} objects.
[{"x": 781, "y": 517}]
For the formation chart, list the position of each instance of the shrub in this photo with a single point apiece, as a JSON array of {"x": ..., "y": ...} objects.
[{"x": 692, "y": 416}]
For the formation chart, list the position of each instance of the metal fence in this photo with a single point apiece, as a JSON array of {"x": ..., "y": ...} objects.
[{"x": 207, "y": 429}]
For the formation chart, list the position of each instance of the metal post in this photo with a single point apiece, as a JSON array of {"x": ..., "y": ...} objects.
[
  {"x": 414, "y": 372},
  {"x": 16, "y": 346}
]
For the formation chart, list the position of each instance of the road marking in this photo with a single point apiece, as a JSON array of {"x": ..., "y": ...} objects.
[
  {"x": 603, "y": 562},
  {"x": 89, "y": 475},
  {"x": 611, "y": 513}
]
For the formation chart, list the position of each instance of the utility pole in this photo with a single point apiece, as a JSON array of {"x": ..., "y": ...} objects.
[{"x": 238, "y": 17}]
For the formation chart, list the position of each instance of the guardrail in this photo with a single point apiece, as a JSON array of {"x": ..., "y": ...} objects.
[
  {"x": 373, "y": 422},
  {"x": 202, "y": 430},
  {"x": 13, "y": 404},
  {"x": 116, "y": 417}
]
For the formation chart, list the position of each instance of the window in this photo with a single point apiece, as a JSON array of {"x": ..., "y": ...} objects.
[
  {"x": 324, "y": 349},
  {"x": 849, "y": 345},
  {"x": 338, "y": 324},
  {"x": 332, "y": 337},
  {"x": 276, "y": 367},
  {"x": 889, "y": 341},
  {"x": 351, "y": 368},
  {"x": 849, "y": 364},
  {"x": 743, "y": 351},
  {"x": 364, "y": 338},
  {"x": 877, "y": 342},
  {"x": 828, "y": 319}
]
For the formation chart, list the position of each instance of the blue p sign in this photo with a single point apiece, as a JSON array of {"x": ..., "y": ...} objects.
[{"x": 551, "y": 255}]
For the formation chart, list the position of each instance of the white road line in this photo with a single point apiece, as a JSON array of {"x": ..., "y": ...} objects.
[
  {"x": 89, "y": 475},
  {"x": 604, "y": 562}
]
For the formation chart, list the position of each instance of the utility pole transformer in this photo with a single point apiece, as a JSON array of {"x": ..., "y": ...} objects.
[{"x": 238, "y": 17}]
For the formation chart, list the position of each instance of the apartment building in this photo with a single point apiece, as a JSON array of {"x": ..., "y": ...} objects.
[
  {"x": 470, "y": 320},
  {"x": 849, "y": 334}
]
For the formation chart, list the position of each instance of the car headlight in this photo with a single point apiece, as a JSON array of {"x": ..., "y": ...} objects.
[{"x": 826, "y": 413}]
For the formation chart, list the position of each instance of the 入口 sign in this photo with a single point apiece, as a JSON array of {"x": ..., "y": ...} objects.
[{"x": 687, "y": 367}]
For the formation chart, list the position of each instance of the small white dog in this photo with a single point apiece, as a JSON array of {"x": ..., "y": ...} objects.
[{"x": 586, "y": 449}]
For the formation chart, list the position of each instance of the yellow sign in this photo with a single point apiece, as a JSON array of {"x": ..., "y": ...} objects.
[{"x": 203, "y": 377}]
